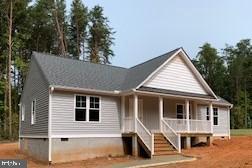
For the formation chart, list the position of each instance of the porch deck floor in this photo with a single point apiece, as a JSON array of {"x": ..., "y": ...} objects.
[{"x": 155, "y": 161}]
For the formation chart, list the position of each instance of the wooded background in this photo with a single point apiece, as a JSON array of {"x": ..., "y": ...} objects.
[{"x": 85, "y": 34}]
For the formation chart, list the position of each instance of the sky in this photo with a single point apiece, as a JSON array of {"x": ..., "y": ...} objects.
[{"x": 149, "y": 28}]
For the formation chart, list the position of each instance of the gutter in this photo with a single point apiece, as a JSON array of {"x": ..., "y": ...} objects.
[{"x": 66, "y": 88}]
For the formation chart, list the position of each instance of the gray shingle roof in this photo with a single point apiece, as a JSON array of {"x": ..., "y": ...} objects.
[
  {"x": 80, "y": 74},
  {"x": 69, "y": 72}
]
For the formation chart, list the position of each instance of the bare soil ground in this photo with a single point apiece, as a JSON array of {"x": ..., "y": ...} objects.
[{"x": 234, "y": 153}]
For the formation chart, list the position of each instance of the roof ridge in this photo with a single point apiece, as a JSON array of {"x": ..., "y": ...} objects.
[
  {"x": 155, "y": 57},
  {"x": 77, "y": 60}
]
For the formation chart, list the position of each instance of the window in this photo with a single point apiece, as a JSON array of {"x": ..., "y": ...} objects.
[
  {"x": 207, "y": 114},
  {"x": 215, "y": 115},
  {"x": 33, "y": 112},
  {"x": 80, "y": 108},
  {"x": 22, "y": 112},
  {"x": 94, "y": 109},
  {"x": 87, "y": 108},
  {"x": 180, "y": 111}
]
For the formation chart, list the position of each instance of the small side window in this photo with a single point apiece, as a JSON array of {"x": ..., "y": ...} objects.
[
  {"x": 207, "y": 114},
  {"x": 22, "y": 112},
  {"x": 33, "y": 112},
  {"x": 215, "y": 116}
]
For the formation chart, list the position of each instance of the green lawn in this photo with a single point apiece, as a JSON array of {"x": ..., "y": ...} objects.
[{"x": 241, "y": 132}]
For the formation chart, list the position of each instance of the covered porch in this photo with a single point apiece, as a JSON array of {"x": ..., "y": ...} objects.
[
  {"x": 182, "y": 115},
  {"x": 174, "y": 117}
]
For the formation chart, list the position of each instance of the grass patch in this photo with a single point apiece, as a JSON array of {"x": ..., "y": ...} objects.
[{"x": 241, "y": 132}]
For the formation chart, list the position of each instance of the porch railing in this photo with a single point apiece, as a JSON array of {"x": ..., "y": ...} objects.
[
  {"x": 171, "y": 135},
  {"x": 145, "y": 135},
  {"x": 197, "y": 126}
]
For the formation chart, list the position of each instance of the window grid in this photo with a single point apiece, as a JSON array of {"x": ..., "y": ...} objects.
[{"x": 91, "y": 105}]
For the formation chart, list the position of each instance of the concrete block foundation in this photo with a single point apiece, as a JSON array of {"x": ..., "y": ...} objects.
[
  {"x": 71, "y": 149},
  {"x": 37, "y": 148}
]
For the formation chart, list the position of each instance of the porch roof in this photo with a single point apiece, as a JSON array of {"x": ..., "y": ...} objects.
[{"x": 164, "y": 91}]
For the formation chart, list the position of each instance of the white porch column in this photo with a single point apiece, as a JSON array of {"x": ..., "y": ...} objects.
[
  {"x": 122, "y": 113},
  {"x": 135, "y": 107},
  {"x": 187, "y": 115},
  {"x": 161, "y": 109},
  {"x": 211, "y": 115}
]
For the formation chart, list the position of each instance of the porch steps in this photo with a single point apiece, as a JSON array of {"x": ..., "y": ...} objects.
[{"x": 162, "y": 146}]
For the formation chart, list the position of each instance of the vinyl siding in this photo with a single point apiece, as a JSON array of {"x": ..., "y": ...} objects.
[
  {"x": 222, "y": 129},
  {"x": 35, "y": 87},
  {"x": 63, "y": 116},
  {"x": 177, "y": 76}
]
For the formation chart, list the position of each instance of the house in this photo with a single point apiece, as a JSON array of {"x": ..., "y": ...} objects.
[{"x": 74, "y": 110}]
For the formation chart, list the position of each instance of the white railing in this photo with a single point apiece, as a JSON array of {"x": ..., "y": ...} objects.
[
  {"x": 128, "y": 125},
  {"x": 171, "y": 135},
  {"x": 195, "y": 126},
  {"x": 145, "y": 135},
  {"x": 203, "y": 126}
]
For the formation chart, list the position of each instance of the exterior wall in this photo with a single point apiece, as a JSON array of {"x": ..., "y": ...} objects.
[
  {"x": 151, "y": 113},
  {"x": 63, "y": 116},
  {"x": 85, "y": 148},
  {"x": 35, "y": 87},
  {"x": 177, "y": 76},
  {"x": 222, "y": 129},
  {"x": 35, "y": 147}
]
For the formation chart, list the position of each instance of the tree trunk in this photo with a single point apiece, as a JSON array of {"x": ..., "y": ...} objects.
[
  {"x": 9, "y": 71},
  {"x": 59, "y": 31}
]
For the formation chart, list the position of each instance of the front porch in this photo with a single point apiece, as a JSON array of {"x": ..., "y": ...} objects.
[{"x": 174, "y": 117}]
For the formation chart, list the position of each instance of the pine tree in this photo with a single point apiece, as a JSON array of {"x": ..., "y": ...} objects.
[
  {"x": 100, "y": 37},
  {"x": 78, "y": 28}
]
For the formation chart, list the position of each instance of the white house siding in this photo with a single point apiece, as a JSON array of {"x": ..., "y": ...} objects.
[
  {"x": 63, "y": 116},
  {"x": 222, "y": 129},
  {"x": 37, "y": 88},
  {"x": 177, "y": 76},
  {"x": 151, "y": 113}
]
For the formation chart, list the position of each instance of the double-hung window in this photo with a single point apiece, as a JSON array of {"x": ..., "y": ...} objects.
[
  {"x": 87, "y": 108},
  {"x": 33, "y": 112},
  {"x": 180, "y": 111},
  {"x": 215, "y": 116},
  {"x": 94, "y": 109},
  {"x": 207, "y": 114},
  {"x": 81, "y": 108}
]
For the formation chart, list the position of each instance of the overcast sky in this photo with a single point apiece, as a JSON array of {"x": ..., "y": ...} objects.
[{"x": 149, "y": 28}]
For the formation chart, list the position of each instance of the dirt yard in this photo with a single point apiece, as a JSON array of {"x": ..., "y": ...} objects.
[{"x": 234, "y": 153}]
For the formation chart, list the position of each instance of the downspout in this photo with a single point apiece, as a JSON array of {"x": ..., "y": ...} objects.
[{"x": 49, "y": 125}]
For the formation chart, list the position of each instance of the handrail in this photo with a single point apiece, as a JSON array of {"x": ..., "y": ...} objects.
[
  {"x": 145, "y": 135},
  {"x": 182, "y": 125},
  {"x": 171, "y": 135}
]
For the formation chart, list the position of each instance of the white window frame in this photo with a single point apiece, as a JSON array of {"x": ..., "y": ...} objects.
[
  {"x": 94, "y": 108},
  {"x": 216, "y": 115},
  {"x": 88, "y": 108},
  {"x": 80, "y": 108},
  {"x": 207, "y": 115},
  {"x": 33, "y": 113},
  {"x": 183, "y": 113},
  {"x": 22, "y": 112}
]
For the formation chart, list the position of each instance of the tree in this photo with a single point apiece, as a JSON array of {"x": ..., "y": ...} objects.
[
  {"x": 240, "y": 74},
  {"x": 100, "y": 37},
  {"x": 211, "y": 66},
  {"x": 78, "y": 28},
  {"x": 60, "y": 24}
]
